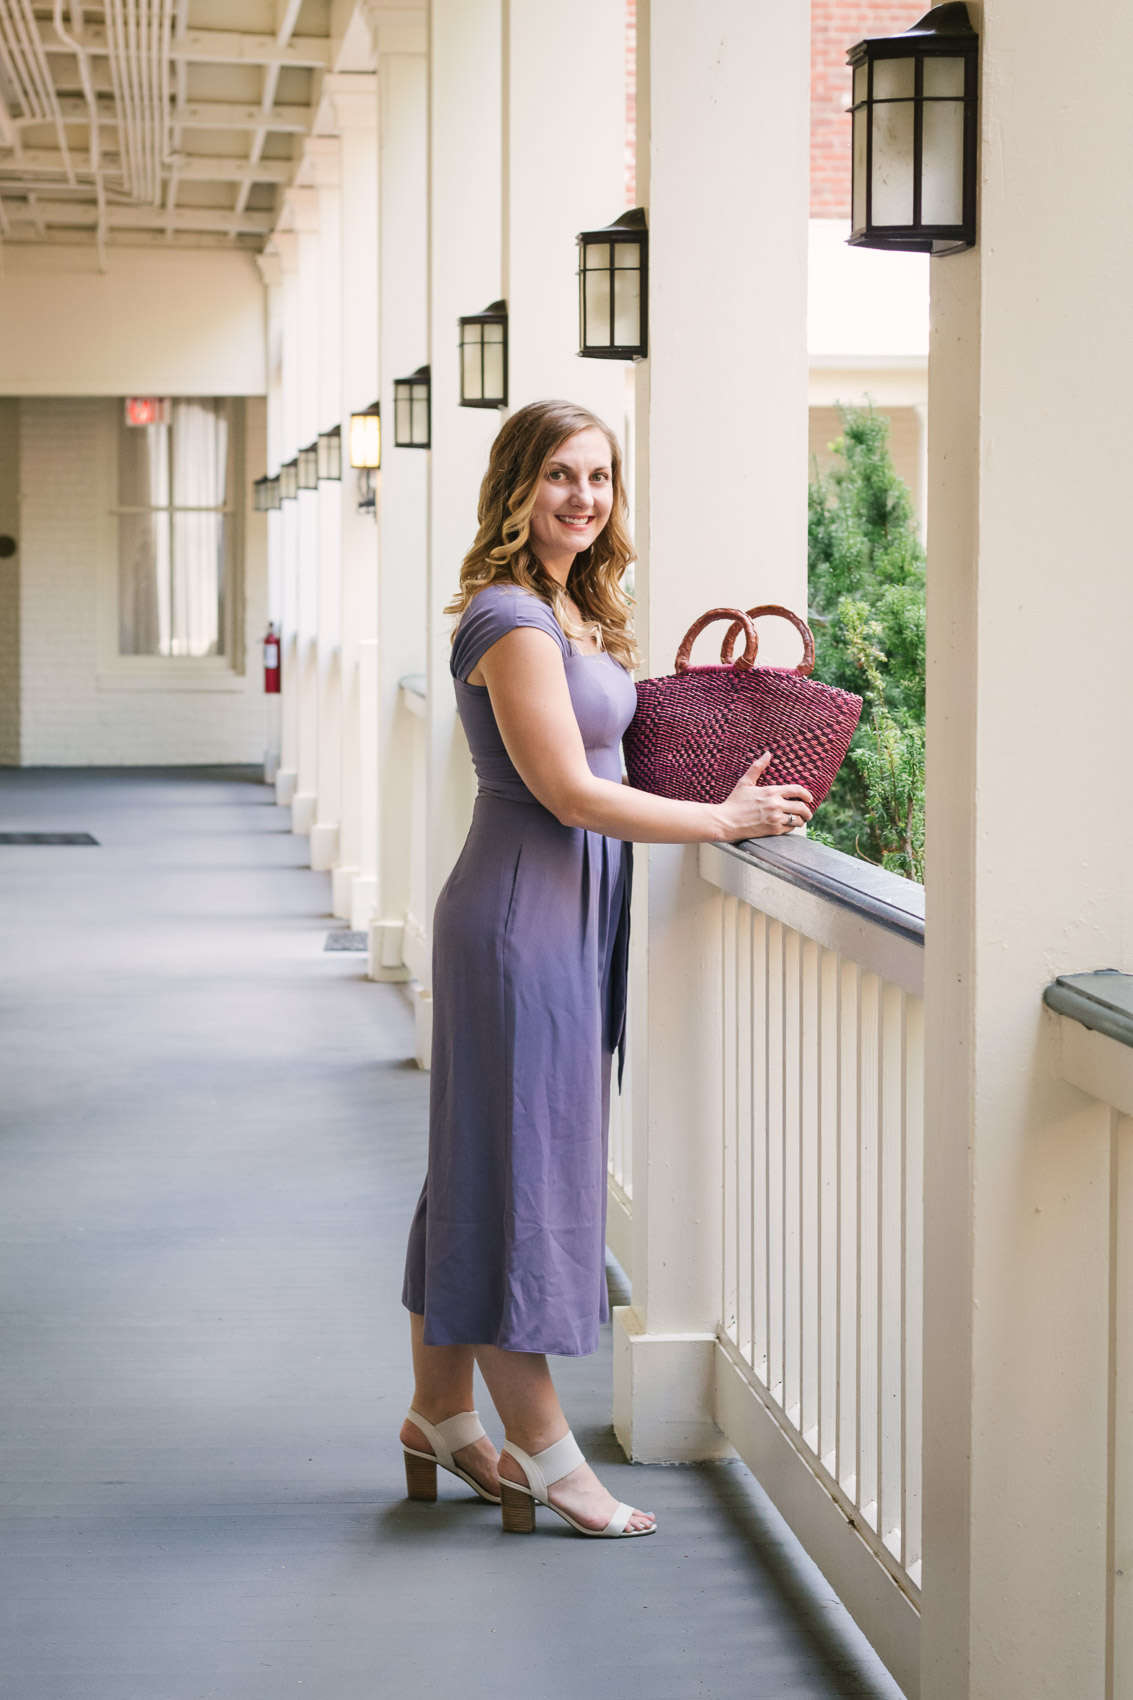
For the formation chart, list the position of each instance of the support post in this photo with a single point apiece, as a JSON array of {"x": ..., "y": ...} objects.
[
  {"x": 586, "y": 163},
  {"x": 303, "y": 207},
  {"x": 721, "y": 518},
  {"x": 286, "y": 246},
  {"x": 464, "y": 275},
  {"x": 272, "y": 273},
  {"x": 354, "y": 97},
  {"x": 403, "y": 332},
  {"x": 1030, "y": 606},
  {"x": 322, "y": 165}
]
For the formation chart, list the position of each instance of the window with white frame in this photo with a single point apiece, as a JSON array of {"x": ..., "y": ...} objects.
[{"x": 176, "y": 530}]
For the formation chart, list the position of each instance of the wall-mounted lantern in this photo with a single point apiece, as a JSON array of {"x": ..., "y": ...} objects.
[
  {"x": 289, "y": 480},
  {"x": 613, "y": 289},
  {"x": 483, "y": 357},
  {"x": 309, "y": 467},
  {"x": 265, "y": 494},
  {"x": 330, "y": 453},
  {"x": 915, "y": 136},
  {"x": 366, "y": 454},
  {"x": 412, "y": 418}
]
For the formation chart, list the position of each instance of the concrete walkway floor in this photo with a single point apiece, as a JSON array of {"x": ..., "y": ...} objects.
[{"x": 211, "y": 1142}]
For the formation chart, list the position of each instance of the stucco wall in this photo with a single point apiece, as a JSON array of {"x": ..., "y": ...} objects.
[{"x": 159, "y": 321}]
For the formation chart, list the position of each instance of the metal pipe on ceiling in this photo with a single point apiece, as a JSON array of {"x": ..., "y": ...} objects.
[{"x": 93, "y": 124}]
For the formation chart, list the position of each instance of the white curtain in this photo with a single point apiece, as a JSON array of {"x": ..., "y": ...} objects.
[{"x": 172, "y": 555}]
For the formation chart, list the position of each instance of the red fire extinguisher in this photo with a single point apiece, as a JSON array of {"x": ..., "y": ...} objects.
[{"x": 271, "y": 660}]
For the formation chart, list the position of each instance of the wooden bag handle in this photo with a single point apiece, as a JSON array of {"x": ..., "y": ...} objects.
[
  {"x": 740, "y": 623},
  {"x": 805, "y": 666}
]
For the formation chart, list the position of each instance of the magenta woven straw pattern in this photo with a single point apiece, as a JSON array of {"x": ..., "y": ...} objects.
[{"x": 695, "y": 733}]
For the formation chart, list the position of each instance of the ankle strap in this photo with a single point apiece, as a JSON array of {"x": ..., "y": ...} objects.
[
  {"x": 448, "y": 1437},
  {"x": 551, "y": 1465}
]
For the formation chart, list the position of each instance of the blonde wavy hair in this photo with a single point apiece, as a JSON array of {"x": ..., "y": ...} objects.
[{"x": 502, "y": 552}]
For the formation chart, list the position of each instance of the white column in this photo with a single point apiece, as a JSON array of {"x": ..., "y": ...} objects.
[
  {"x": 722, "y": 166},
  {"x": 355, "y": 100},
  {"x": 1030, "y": 821},
  {"x": 464, "y": 275},
  {"x": 322, "y": 167},
  {"x": 286, "y": 245},
  {"x": 303, "y": 209},
  {"x": 404, "y": 342},
  {"x": 585, "y": 163},
  {"x": 272, "y": 273}
]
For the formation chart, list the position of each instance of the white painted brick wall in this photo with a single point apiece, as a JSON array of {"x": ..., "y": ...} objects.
[
  {"x": 10, "y": 585},
  {"x": 67, "y": 719}
]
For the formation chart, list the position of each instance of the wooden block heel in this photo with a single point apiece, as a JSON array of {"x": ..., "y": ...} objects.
[
  {"x": 518, "y": 1510},
  {"x": 420, "y": 1477}
]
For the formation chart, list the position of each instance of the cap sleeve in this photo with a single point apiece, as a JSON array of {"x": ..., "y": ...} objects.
[{"x": 492, "y": 613}]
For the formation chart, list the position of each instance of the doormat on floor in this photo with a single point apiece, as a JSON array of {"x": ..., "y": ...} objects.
[
  {"x": 346, "y": 940},
  {"x": 47, "y": 838}
]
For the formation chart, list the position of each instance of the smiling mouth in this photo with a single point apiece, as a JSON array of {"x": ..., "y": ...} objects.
[{"x": 578, "y": 521}]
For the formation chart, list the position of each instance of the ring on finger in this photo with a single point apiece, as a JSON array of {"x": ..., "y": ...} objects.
[{"x": 790, "y": 823}]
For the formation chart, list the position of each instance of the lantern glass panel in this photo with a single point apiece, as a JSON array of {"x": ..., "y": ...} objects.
[
  {"x": 493, "y": 362},
  {"x": 627, "y": 295},
  {"x": 420, "y": 429},
  {"x": 861, "y": 82},
  {"x": 411, "y": 413},
  {"x": 942, "y": 169},
  {"x": 365, "y": 440},
  {"x": 288, "y": 481},
  {"x": 892, "y": 161},
  {"x": 308, "y": 467},
  {"x": 861, "y": 120},
  {"x": 596, "y": 256},
  {"x": 472, "y": 360},
  {"x": 273, "y": 496},
  {"x": 597, "y": 305},
  {"x": 944, "y": 78},
  {"x": 894, "y": 79},
  {"x": 330, "y": 455}
]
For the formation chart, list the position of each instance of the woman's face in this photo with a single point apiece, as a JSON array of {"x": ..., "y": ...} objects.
[{"x": 574, "y": 498}]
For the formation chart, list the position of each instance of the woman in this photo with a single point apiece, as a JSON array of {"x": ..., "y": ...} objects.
[{"x": 506, "y": 1251}]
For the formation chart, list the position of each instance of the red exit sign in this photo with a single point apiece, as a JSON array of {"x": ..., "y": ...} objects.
[{"x": 148, "y": 410}]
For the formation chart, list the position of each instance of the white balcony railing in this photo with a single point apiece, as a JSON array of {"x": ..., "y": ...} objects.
[
  {"x": 619, "y": 1200},
  {"x": 819, "y": 1368}
]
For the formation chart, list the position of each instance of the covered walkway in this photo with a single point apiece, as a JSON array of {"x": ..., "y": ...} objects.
[{"x": 212, "y": 1138}]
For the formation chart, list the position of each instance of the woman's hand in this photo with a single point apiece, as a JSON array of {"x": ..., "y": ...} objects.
[{"x": 763, "y": 811}]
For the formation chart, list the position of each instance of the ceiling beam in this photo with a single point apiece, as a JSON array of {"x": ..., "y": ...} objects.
[
  {"x": 83, "y": 215},
  {"x": 213, "y": 47},
  {"x": 201, "y": 115},
  {"x": 228, "y": 47},
  {"x": 192, "y": 167}
]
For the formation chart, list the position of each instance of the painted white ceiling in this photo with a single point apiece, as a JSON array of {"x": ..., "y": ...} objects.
[{"x": 178, "y": 122}]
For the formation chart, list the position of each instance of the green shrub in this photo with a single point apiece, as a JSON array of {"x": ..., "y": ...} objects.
[{"x": 867, "y": 609}]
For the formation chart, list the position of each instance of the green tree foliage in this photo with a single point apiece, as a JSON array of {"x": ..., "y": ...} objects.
[{"x": 867, "y": 609}]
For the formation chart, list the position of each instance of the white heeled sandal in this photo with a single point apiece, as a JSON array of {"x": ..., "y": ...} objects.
[
  {"x": 542, "y": 1472},
  {"x": 445, "y": 1439}
]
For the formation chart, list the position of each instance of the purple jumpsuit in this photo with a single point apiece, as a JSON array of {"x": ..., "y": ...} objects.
[{"x": 530, "y": 941}]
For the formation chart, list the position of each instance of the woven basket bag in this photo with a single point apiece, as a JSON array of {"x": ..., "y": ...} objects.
[{"x": 698, "y": 730}]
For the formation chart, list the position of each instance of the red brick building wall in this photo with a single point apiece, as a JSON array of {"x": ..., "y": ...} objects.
[{"x": 836, "y": 25}]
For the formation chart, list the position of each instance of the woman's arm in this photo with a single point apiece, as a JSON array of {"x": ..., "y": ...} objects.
[{"x": 531, "y": 701}]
